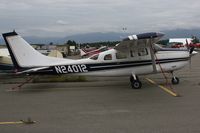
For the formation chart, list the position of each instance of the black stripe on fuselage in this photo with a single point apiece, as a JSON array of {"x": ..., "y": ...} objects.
[
  {"x": 64, "y": 69},
  {"x": 118, "y": 65}
]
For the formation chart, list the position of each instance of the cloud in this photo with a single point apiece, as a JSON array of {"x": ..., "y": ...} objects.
[
  {"x": 61, "y": 22},
  {"x": 61, "y": 17}
]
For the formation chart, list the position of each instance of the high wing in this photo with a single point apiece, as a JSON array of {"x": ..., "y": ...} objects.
[{"x": 140, "y": 41}]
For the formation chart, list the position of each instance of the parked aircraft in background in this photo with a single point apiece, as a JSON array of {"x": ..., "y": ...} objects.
[
  {"x": 179, "y": 43},
  {"x": 133, "y": 56},
  {"x": 5, "y": 60},
  {"x": 195, "y": 45},
  {"x": 6, "y": 64},
  {"x": 175, "y": 42},
  {"x": 184, "y": 41},
  {"x": 86, "y": 53}
]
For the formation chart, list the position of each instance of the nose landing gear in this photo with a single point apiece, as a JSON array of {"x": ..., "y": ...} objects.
[{"x": 175, "y": 80}]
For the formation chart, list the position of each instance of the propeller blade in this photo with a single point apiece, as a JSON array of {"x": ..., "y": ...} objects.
[
  {"x": 187, "y": 45},
  {"x": 191, "y": 50}
]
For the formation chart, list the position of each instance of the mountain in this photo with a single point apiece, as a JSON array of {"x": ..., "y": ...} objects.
[
  {"x": 110, "y": 36},
  {"x": 97, "y": 37},
  {"x": 182, "y": 33}
]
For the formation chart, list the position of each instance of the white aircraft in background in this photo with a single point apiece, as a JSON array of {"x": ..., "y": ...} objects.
[
  {"x": 184, "y": 41},
  {"x": 133, "y": 56},
  {"x": 176, "y": 42},
  {"x": 5, "y": 61},
  {"x": 6, "y": 65}
]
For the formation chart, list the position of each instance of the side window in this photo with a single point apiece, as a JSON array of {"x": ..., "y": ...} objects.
[
  {"x": 108, "y": 57},
  {"x": 142, "y": 51},
  {"x": 132, "y": 53},
  {"x": 120, "y": 55},
  {"x": 95, "y": 57}
]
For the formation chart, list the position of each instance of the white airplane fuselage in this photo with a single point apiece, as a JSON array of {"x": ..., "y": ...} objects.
[
  {"x": 136, "y": 64},
  {"x": 136, "y": 60}
]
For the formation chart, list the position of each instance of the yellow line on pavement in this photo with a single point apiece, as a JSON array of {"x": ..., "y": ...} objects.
[
  {"x": 151, "y": 81},
  {"x": 28, "y": 121},
  {"x": 169, "y": 91},
  {"x": 9, "y": 123}
]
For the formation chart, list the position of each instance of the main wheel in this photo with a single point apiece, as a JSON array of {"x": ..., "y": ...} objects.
[
  {"x": 136, "y": 84},
  {"x": 175, "y": 80}
]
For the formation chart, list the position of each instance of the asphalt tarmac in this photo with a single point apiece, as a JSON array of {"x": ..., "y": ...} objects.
[{"x": 103, "y": 105}]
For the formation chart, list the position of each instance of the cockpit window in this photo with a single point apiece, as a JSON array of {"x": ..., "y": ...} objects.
[
  {"x": 157, "y": 47},
  {"x": 108, "y": 57},
  {"x": 94, "y": 57},
  {"x": 142, "y": 51},
  {"x": 103, "y": 49},
  {"x": 132, "y": 53}
]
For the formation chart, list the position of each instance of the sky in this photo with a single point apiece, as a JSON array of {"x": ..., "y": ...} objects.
[{"x": 59, "y": 18}]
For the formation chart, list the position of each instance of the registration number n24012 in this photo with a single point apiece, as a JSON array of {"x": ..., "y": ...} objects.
[{"x": 71, "y": 69}]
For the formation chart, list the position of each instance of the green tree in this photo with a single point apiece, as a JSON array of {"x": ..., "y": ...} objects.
[{"x": 195, "y": 40}]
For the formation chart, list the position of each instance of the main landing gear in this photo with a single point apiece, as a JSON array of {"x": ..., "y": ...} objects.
[{"x": 135, "y": 82}]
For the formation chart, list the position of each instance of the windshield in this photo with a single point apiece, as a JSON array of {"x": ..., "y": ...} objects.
[
  {"x": 95, "y": 57},
  {"x": 157, "y": 47}
]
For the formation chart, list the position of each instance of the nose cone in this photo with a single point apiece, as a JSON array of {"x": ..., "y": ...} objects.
[{"x": 194, "y": 53}]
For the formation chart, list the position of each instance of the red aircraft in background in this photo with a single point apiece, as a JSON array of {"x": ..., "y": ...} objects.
[
  {"x": 196, "y": 45},
  {"x": 180, "y": 45},
  {"x": 86, "y": 52}
]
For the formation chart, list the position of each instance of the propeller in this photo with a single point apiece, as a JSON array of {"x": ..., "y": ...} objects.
[{"x": 190, "y": 50}]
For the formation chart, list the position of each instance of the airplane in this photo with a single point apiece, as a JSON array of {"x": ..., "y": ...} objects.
[
  {"x": 133, "y": 56},
  {"x": 85, "y": 53}
]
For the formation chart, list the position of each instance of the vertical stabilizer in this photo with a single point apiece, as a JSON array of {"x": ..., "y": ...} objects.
[{"x": 24, "y": 55}]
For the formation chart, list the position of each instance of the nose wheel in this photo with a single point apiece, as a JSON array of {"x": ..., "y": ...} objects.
[
  {"x": 175, "y": 81},
  {"x": 135, "y": 82}
]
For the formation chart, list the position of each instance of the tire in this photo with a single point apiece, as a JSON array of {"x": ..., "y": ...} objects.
[
  {"x": 175, "y": 80},
  {"x": 136, "y": 84}
]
